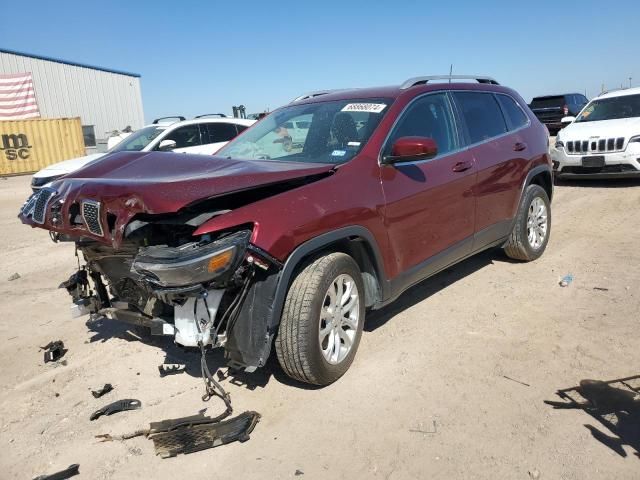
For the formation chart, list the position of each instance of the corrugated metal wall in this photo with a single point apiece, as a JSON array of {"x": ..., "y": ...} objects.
[
  {"x": 30, "y": 145},
  {"x": 107, "y": 100}
]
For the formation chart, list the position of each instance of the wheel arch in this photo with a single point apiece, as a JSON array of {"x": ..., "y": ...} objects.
[
  {"x": 357, "y": 242},
  {"x": 540, "y": 175}
]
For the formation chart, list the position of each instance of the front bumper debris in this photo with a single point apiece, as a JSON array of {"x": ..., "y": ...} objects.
[{"x": 192, "y": 434}]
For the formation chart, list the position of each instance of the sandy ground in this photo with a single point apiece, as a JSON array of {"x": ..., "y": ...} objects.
[{"x": 426, "y": 397}]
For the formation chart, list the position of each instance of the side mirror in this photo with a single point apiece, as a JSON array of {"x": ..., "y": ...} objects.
[
  {"x": 567, "y": 120},
  {"x": 407, "y": 149},
  {"x": 167, "y": 145}
]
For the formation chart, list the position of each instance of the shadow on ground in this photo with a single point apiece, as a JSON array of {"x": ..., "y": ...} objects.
[{"x": 615, "y": 404}]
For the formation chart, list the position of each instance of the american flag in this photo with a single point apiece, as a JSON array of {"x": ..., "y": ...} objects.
[{"x": 17, "y": 97}]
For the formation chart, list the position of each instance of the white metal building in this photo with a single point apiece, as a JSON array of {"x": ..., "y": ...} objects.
[{"x": 103, "y": 98}]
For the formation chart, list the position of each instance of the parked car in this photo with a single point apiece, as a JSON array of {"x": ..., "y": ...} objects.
[
  {"x": 603, "y": 141},
  {"x": 263, "y": 246},
  {"x": 200, "y": 135},
  {"x": 551, "y": 108}
]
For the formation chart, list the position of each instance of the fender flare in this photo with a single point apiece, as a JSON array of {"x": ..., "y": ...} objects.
[
  {"x": 534, "y": 172},
  {"x": 313, "y": 245}
]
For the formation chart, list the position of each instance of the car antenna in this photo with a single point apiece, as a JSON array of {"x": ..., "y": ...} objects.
[{"x": 450, "y": 72}]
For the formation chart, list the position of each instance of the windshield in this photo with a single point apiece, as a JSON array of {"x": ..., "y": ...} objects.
[
  {"x": 626, "y": 106},
  {"x": 138, "y": 139},
  {"x": 321, "y": 132}
]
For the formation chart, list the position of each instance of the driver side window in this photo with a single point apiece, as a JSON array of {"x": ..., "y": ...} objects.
[
  {"x": 187, "y": 136},
  {"x": 431, "y": 117}
]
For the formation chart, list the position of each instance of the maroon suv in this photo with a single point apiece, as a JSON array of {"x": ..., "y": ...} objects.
[{"x": 330, "y": 206}]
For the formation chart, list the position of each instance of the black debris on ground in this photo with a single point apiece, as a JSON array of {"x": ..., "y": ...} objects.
[
  {"x": 103, "y": 391},
  {"x": 69, "y": 472},
  {"x": 54, "y": 351}
]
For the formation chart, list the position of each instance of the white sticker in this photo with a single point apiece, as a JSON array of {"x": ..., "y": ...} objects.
[
  {"x": 364, "y": 107},
  {"x": 338, "y": 153},
  {"x": 353, "y": 144}
]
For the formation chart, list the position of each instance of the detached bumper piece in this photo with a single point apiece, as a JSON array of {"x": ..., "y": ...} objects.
[
  {"x": 192, "y": 434},
  {"x": 115, "y": 407},
  {"x": 72, "y": 471}
]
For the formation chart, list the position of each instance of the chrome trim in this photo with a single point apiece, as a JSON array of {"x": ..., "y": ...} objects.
[{"x": 99, "y": 211}]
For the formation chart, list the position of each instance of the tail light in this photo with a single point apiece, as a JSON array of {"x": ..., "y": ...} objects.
[{"x": 565, "y": 110}]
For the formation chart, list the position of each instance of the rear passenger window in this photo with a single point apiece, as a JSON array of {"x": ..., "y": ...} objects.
[
  {"x": 429, "y": 116},
  {"x": 513, "y": 113},
  {"x": 219, "y": 132},
  {"x": 481, "y": 114}
]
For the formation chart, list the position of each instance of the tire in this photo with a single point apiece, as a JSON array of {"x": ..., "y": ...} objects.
[
  {"x": 309, "y": 312},
  {"x": 520, "y": 245}
]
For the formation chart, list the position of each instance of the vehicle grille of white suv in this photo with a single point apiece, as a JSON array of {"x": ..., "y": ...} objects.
[{"x": 591, "y": 146}]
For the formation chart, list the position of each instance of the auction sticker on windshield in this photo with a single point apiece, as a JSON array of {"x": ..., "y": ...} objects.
[{"x": 364, "y": 107}]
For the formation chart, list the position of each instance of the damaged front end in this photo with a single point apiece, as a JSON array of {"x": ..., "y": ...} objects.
[
  {"x": 211, "y": 290},
  {"x": 195, "y": 291}
]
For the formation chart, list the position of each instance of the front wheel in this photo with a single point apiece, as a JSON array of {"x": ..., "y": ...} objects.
[
  {"x": 532, "y": 227},
  {"x": 322, "y": 320}
]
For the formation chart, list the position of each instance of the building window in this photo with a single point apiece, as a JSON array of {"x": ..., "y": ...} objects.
[{"x": 89, "y": 134}]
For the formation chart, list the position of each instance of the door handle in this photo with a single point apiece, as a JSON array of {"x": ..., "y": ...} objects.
[
  {"x": 519, "y": 147},
  {"x": 462, "y": 166}
]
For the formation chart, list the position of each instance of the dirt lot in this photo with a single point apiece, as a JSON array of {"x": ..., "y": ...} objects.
[{"x": 426, "y": 397}]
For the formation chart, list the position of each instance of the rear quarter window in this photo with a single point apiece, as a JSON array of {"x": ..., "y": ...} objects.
[{"x": 515, "y": 116}]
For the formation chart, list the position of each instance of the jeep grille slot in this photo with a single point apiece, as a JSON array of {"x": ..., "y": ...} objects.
[
  {"x": 41, "y": 203},
  {"x": 91, "y": 216},
  {"x": 615, "y": 144}
]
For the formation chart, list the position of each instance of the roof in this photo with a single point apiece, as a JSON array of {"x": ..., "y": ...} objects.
[
  {"x": 620, "y": 92},
  {"x": 395, "y": 92},
  {"x": 68, "y": 62}
]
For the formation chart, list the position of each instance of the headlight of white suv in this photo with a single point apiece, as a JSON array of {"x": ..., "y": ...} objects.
[{"x": 635, "y": 139}]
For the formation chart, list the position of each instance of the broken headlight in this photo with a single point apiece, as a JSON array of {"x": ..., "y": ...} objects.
[{"x": 191, "y": 263}]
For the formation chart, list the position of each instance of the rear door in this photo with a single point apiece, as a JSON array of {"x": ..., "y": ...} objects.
[
  {"x": 429, "y": 210},
  {"x": 494, "y": 126}
]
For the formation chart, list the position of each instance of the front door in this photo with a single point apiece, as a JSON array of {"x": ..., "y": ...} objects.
[{"x": 430, "y": 207}]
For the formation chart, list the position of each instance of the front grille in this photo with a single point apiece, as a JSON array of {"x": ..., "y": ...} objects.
[
  {"x": 41, "y": 203},
  {"x": 603, "y": 145},
  {"x": 91, "y": 216}
]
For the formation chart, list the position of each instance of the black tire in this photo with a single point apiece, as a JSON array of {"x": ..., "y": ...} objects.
[
  {"x": 297, "y": 344},
  {"x": 518, "y": 246}
]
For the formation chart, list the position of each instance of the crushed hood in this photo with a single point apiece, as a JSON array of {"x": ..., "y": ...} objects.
[
  {"x": 126, "y": 184},
  {"x": 166, "y": 182}
]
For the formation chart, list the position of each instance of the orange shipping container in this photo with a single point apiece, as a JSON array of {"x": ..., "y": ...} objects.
[{"x": 27, "y": 146}]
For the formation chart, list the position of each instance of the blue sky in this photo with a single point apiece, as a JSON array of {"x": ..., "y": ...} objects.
[{"x": 205, "y": 56}]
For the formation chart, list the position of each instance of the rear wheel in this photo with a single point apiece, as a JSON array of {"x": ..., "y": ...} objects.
[
  {"x": 322, "y": 320},
  {"x": 530, "y": 234}
]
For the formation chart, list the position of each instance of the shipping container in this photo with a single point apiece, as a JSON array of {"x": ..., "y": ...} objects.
[{"x": 27, "y": 146}]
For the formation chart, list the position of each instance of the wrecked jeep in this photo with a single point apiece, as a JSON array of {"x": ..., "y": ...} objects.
[{"x": 329, "y": 206}]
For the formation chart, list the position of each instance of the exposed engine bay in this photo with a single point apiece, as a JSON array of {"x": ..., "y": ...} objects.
[{"x": 160, "y": 277}]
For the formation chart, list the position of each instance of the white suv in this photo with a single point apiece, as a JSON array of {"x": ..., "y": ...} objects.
[
  {"x": 603, "y": 141},
  {"x": 201, "y": 135}
]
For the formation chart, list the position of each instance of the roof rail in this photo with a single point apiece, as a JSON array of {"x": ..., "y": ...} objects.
[
  {"x": 317, "y": 93},
  {"x": 412, "y": 82},
  {"x": 179, "y": 117},
  {"x": 221, "y": 115}
]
